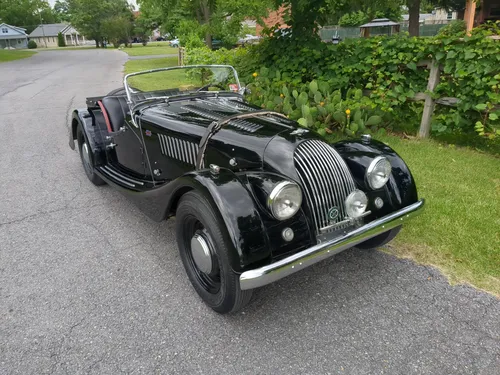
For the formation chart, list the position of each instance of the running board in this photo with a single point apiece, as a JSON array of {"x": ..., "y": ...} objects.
[{"x": 119, "y": 177}]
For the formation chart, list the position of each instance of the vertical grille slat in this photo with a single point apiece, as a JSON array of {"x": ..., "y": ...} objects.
[
  {"x": 179, "y": 149},
  {"x": 326, "y": 180}
]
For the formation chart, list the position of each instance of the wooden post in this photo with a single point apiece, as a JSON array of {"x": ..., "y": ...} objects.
[
  {"x": 425, "y": 125},
  {"x": 470, "y": 12}
]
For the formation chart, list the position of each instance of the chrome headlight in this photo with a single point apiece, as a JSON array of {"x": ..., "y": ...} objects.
[
  {"x": 355, "y": 204},
  {"x": 285, "y": 200},
  {"x": 378, "y": 172}
]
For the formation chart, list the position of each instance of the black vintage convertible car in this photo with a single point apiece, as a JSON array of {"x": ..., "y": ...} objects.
[{"x": 256, "y": 197}]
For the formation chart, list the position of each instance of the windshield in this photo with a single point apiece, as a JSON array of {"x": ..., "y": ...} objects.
[{"x": 166, "y": 82}]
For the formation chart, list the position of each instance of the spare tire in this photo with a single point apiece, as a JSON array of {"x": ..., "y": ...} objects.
[{"x": 117, "y": 92}]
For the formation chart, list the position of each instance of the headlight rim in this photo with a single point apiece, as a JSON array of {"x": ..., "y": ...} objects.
[
  {"x": 277, "y": 189},
  {"x": 371, "y": 168}
]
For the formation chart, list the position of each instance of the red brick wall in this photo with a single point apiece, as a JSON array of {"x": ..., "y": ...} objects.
[{"x": 275, "y": 17}]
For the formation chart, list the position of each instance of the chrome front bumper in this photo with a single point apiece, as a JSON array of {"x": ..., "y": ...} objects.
[{"x": 294, "y": 263}]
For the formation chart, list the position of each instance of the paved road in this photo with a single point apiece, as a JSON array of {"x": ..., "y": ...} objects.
[{"x": 90, "y": 285}]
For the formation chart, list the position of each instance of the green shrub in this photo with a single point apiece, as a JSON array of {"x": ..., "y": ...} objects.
[
  {"x": 61, "y": 41},
  {"x": 385, "y": 70},
  {"x": 32, "y": 44}
]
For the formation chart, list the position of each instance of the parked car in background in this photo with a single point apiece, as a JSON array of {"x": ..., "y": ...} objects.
[
  {"x": 256, "y": 197},
  {"x": 174, "y": 43},
  {"x": 248, "y": 39}
]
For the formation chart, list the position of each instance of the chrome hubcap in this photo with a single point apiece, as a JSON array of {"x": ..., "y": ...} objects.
[
  {"x": 86, "y": 154},
  {"x": 201, "y": 254}
]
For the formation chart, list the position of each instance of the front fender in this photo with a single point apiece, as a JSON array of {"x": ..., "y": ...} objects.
[
  {"x": 231, "y": 200},
  {"x": 400, "y": 191}
]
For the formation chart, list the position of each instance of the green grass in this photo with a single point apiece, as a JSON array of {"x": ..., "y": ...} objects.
[
  {"x": 152, "y": 82},
  {"x": 11, "y": 55},
  {"x": 459, "y": 231},
  {"x": 153, "y": 48}
]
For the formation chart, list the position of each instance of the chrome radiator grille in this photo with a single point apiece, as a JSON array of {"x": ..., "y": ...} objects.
[{"x": 326, "y": 180}]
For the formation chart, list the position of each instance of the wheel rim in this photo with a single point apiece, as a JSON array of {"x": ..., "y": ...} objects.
[
  {"x": 87, "y": 163},
  {"x": 201, "y": 255}
]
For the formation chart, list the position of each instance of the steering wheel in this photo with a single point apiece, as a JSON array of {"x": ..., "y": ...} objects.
[{"x": 217, "y": 85}]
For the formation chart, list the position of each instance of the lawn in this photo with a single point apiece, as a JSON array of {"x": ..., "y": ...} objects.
[
  {"x": 157, "y": 81},
  {"x": 153, "y": 48},
  {"x": 11, "y": 55},
  {"x": 459, "y": 230}
]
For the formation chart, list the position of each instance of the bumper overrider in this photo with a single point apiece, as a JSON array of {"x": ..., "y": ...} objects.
[{"x": 294, "y": 263}]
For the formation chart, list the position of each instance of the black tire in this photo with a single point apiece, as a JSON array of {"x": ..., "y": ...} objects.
[
  {"x": 219, "y": 289},
  {"x": 86, "y": 158},
  {"x": 117, "y": 92},
  {"x": 379, "y": 240}
]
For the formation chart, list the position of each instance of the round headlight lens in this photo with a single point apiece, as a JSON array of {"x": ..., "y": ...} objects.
[
  {"x": 285, "y": 200},
  {"x": 378, "y": 172},
  {"x": 356, "y": 203}
]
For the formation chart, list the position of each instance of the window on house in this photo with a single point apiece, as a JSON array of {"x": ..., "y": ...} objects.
[
  {"x": 449, "y": 16},
  {"x": 19, "y": 41},
  {"x": 5, "y": 30}
]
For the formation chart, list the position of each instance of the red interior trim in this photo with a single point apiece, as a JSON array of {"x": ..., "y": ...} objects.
[{"x": 106, "y": 118}]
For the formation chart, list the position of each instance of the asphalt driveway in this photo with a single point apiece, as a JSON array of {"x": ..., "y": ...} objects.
[{"x": 90, "y": 285}]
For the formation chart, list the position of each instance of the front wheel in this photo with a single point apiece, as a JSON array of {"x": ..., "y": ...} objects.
[
  {"x": 379, "y": 240},
  {"x": 205, "y": 255}
]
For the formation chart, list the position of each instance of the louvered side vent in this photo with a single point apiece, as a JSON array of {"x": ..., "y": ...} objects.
[
  {"x": 179, "y": 149},
  {"x": 326, "y": 179}
]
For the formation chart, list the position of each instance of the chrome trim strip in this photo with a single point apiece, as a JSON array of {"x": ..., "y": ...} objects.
[
  {"x": 110, "y": 175},
  {"x": 285, "y": 267},
  {"x": 118, "y": 174}
]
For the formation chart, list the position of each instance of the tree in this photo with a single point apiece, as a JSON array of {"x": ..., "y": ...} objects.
[
  {"x": 61, "y": 41},
  {"x": 91, "y": 17},
  {"x": 117, "y": 29},
  {"x": 414, "y": 17},
  {"x": 61, "y": 9},
  {"x": 213, "y": 16},
  {"x": 26, "y": 13}
]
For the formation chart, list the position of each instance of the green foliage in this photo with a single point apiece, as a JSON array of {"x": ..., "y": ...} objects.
[
  {"x": 32, "y": 44},
  {"x": 379, "y": 76},
  {"x": 453, "y": 29},
  {"x": 61, "y": 42},
  {"x": 101, "y": 19},
  {"x": 26, "y": 13},
  {"x": 353, "y": 19}
]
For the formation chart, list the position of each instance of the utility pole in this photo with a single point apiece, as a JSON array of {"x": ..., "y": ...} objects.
[{"x": 43, "y": 30}]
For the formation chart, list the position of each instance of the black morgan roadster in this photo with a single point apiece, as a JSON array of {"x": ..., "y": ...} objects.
[{"x": 256, "y": 197}]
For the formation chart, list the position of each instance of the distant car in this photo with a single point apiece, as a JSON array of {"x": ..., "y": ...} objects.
[
  {"x": 174, "y": 43},
  {"x": 248, "y": 39},
  {"x": 160, "y": 39},
  {"x": 256, "y": 196}
]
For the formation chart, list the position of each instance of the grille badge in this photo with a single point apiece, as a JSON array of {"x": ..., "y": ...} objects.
[{"x": 333, "y": 213}]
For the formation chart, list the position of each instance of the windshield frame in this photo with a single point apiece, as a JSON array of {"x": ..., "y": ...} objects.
[{"x": 129, "y": 91}]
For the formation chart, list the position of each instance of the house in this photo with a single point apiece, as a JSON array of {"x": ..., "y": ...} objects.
[
  {"x": 438, "y": 16},
  {"x": 12, "y": 37},
  {"x": 46, "y": 35},
  {"x": 274, "y": 18}
]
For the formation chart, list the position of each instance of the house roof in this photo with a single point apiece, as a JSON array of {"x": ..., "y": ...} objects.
[
  {"x": 18, "y": 29},
  {"x": 50, "y": 29},
  {"x": 378, "y": 22}
]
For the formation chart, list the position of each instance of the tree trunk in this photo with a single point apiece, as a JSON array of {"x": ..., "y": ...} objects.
[
  {"x": 206, "y": 11},
  {"x": 96, "y": 43},
  {"x": 414, "y": 16}
]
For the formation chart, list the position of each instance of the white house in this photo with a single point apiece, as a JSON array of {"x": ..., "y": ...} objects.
[
  {"x": 12, "y": 37},
  {"x": 46, "y": 35}
]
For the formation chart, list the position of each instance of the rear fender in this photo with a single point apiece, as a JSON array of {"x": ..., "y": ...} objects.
[{"x": 91, "y": 133}]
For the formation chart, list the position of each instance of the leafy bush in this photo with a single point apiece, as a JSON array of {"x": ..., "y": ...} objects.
[
  {"x": 61, "y": 41},
  {"x": 385, "y": 71},
  {"x": 32, "y": 44}
]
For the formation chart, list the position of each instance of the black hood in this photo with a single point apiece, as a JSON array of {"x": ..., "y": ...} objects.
[{"x": 239, "y": 145}]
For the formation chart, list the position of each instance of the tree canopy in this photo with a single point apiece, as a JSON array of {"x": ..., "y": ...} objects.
[{"x": 27, "y": 14}]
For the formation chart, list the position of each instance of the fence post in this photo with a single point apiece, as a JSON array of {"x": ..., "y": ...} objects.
[
  {"x": 180, "y": 60},
  {"x": 425, "y": 125}
]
